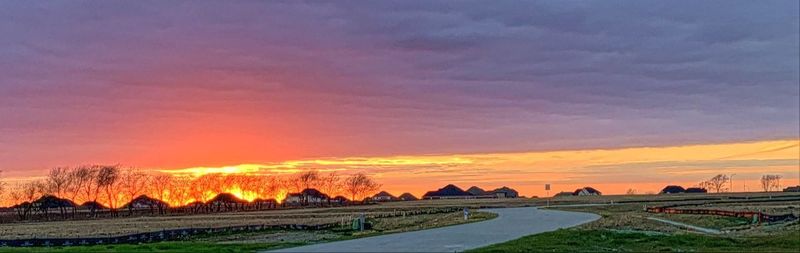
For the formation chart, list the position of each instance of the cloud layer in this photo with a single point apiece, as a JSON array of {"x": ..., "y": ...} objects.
[{"x": 206, "y": 83}]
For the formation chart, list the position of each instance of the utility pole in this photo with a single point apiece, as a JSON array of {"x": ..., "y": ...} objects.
[{"x": 734, "y": 174}]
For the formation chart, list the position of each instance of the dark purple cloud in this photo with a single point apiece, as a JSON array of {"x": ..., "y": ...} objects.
[{"x": 78, "y": 79}]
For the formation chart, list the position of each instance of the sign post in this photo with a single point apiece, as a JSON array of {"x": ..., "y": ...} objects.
[{"x": 547, "y": 188}]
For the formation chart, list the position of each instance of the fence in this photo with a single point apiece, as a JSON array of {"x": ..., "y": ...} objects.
[
  {"x": 178, "y": 234},
  {"x": 756, "y": 216}
]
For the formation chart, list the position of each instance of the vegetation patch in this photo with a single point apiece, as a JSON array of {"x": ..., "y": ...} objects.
[{"x": 581, "y": 240}]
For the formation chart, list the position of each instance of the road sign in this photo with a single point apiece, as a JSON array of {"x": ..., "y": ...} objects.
[{"x": 546, "y": 187}]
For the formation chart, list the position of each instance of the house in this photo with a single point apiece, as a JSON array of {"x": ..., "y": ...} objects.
[
  {"x": 145, "y": 202},
  {"x": 448, "y": 192},
  {"x": 587, "y": 191},
  {"x": 792, "y": 189},
  {"x": 307, "y": 196},
  {"x": 47, "y": 202},
  {"x": 696, "y": 190},
  {"x": 339, "y": 200},
  {"x": 383, "y": 196},
  {"x": 226, "y": 202},
  {"x": 407, "y": 197},
  {"x": 92, "y": 205},
  {"x": 672, "y": 189},
  {"x": 476, "y": 191},
  {"x": 504, "y": 192}
]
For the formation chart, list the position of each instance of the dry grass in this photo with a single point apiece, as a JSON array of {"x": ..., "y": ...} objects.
[
  {"x": 131, "y": 225},
  {"x": 632, "y": 217},
  {"x": 623, "y": 216}
]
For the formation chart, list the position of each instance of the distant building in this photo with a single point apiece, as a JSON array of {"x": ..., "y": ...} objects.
[
  {"x": 307, "y": 196},
  {"x": 339, "y": 200},
  {"x": 476, "y": 191},
  {"x": 696, "y": 190},
  {"x": 145, "y": 202},
  {"x": 50, "y": 201},
  {"x": 383, "y": 196},
  {"x": 792, "y": 189},
  {"x": 672, "y": 189},
  {"x": 505, "y": 192},
  {"x": 448, "y": 192},
  {"x": 587, "y": 191},
  {"x": 407, "y": 197}
]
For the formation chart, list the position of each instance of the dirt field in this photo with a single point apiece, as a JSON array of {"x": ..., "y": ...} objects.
[{"x": 627, "y": 213}]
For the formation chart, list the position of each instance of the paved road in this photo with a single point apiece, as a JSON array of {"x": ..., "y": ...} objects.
[{"x": 510, "y": 224}]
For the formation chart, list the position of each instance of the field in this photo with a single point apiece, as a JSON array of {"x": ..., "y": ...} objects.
[
  {"x": 624, "y": 225},
  {"x": 264, "y": 240}
]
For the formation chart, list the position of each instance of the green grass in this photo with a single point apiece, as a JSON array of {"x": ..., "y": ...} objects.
[
  {"x": 578, "y": 240},
  {"x": 181, "y": 246},
  {"x": 709, "y": 221}
]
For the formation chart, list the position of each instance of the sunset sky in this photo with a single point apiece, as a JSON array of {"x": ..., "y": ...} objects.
[{"x": 417, "y": 94}]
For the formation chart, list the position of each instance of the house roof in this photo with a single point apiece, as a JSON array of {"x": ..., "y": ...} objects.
[
  {"x": 673, "y": 189},
  {"x": 408, "y": 196},
  {"x": 449, "y": 190},
  {"x": 696, "y": 190},
  {"x": 474, "y": 190},
  {"x": 145, "y": 200},
  {"x": 94, "y": 204},
  {"x": 588, "y": 189},
  {"x": 227, "y": 198},
  {"x": 506, "y": 190},
  {"x": 384, "y": 194},
  {"x": 50, "y": 201},
  {"x": 311, "y": 192}
]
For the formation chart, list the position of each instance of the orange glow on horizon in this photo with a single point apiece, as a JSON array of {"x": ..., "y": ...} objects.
[{"x": 612, "y": 171}]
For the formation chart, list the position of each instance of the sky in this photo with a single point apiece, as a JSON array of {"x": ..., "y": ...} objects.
[{"x": 186, "y": 84}]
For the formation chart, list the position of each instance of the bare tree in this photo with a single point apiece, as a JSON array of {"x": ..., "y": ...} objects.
[
  {"x": 359, "y": 185},
  {"x": 29, "y": 192},
  {"x": 2, "y": 186},
  {"x": 133, "y": 183},
  {"x": 108, "y": 178},
  {"x": 308, "y": 179},
  {"x": 179, "y": 191},
  {"x": 81, "y": 181},
  {"x": 770, "y": 182},
  {"x": 160, "y": 188},
  {"x": 331, "y": 184},
  {"x": 716, "y": 183},
  {"x": 58, "y": 180}
]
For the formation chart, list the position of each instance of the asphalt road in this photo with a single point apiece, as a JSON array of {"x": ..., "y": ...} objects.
[{"x": 510, "y": 224}]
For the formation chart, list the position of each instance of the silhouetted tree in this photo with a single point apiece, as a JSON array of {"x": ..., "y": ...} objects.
[
  {"x": 108, "y": 180},
  {"x": 359, "y": 185},
  {"x": 770, "y": 182},
  {"x": 58, "y": 180},
  {"x": 2, "y": 187},
  {"x": 716, "y": 183},
  {"x": 160, "y": 187},
  {"x": 331, "y": 184},
  {"x": 133, "y": 183}
]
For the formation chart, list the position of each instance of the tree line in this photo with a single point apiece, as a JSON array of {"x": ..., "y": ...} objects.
[
  {"x": 720, "y": 183},
  {"x": 111, "y": 186}
]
